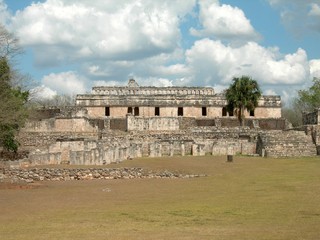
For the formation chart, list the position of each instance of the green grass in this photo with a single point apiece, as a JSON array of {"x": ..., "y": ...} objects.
[{"x": 251, "y": 198}]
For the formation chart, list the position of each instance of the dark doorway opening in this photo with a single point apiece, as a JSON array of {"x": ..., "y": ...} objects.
[
  {"x": 157, "y": 111},
  {"x": 204, "y": 111},
  {"x": 107, "y": 111}
]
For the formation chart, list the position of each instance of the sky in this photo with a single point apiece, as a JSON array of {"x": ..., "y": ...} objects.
[{"x": 72, "y": 45}]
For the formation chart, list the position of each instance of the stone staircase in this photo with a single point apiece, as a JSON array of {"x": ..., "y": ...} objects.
[{"x": 285, "y": 144}]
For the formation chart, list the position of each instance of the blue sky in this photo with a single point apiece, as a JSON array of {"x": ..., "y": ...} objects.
[{"x": 72, "y": 45}]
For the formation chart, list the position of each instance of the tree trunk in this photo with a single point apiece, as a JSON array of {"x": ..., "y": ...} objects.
[{"x": 241, "y": 116}]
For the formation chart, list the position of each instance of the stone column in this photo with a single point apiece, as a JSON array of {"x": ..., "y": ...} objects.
[
  {"x": 126, "y": 153},
  {"x": 202, "y": 152},
  {"x": 230, "y": 152},
  {"x": 171, "y": 150},
  {"x": 152, "y": 150},
  {"x": 195, "y": 149},
  {"x": 107, "y": 156},
  {"x": 213, "y": 150},
  {"x": 116, "y": 154},
  {"x": 87, "y": 157},
  {"x": 183, "y": 149},
  {"x": 159, "y": 150},
  {"x": 138, "y": 150}
]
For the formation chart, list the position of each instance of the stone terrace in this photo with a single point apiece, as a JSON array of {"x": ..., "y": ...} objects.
[{"x": 286, "y": 144}]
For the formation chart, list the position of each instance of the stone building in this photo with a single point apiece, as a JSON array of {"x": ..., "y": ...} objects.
[
  {"x": 195, "y": 102},
  {"x": 113, "y": 124}
]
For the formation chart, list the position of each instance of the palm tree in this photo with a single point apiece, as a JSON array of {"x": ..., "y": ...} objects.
[{"x": 243, "y": 94}]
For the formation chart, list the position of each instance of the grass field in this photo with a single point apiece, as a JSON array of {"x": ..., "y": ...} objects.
[{"x": 251, "y": 198}]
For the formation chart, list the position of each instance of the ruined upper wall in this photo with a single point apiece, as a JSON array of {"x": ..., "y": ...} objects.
[
  {"x": 141, "y": 99},
  {"x": 145, "y": 90},
  {"x": 160, "y": 96}
]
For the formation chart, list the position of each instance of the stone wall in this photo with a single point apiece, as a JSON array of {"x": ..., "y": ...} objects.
[
  {"x": 195, "y": 101},
  {"x": 44, "y": 113},
  {"x": 115, "y": 147},
  {"x": 118, "y": 124},
  {"x": 312, "y": 118},
  {"x": 145, "y": 90},
  {"x": 168, "y": 106},
  {"x": 273, "y": 124},
  {"x": 108, "y": 146},
  {"x": 79, "y": 125},
  {"x": 151, "y": 124},
  {"x": 85, "y": 152},
  {"x": 291, "y": 143}
]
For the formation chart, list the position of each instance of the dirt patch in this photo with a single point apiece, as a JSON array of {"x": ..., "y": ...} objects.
[{"x": 19, "y": 186}]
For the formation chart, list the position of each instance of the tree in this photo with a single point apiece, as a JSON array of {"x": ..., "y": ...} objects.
[
  {"x": 309, "y": 99},
  {"x": 13, "y": 111},
  {"x": 293, "y": 114},
  {"x": 59, "y": 101},
  {"x": 243, "y": 94}
]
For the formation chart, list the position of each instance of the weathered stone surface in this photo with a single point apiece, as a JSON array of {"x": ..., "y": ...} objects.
[
  {"x": 99, "y": 130},
  {"x": 285, "y": 144},
  {"x": 148, "y": 101}
]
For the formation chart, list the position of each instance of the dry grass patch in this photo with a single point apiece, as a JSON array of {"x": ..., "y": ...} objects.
[{"x": 251, "y": 198}]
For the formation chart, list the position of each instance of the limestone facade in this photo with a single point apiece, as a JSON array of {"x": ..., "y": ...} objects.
[
  {"x": 113, "y": 124},
  {"x": 197, "y": 102}
]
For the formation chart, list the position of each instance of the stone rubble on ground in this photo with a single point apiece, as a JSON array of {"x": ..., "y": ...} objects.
[{"x": 55, "y": 174}]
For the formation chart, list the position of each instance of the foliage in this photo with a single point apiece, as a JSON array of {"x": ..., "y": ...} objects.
[
  {"x": 13, "y": 112},
  {"x": 292, "y": 115},
  {"x": 243, "y": 94},
  {"x": 9, "y": 46},
  {"x": 309, "y": 99},
  {"x": 8, "y": 140},
  {"x": 55, "y": 101}
]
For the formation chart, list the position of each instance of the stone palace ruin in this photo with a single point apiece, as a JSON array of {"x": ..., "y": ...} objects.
[
  {"x": 166, "y": 102},
  {"x": 112, "y": 124}
]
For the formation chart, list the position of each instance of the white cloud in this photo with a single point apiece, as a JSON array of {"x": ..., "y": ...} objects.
[
  {"x": 299, "y": 16},
  {"x": 123, "y": 30},
  {"x": 315, "y": 10},
  {"x": 142, "y": 81},
  {"x": 224, "y": 22},
  {"x": 4, "y": 13},
  {"x": 154, "y": 81},
  {"x": 315, "y": 68},
  {"x": 212, "y": 62},
  {"x": 269, "y": 92},
  {"x": 42, "y": 92},
  {"x": 163, "y": 66},
  {"x": 65, "y": 83},
  {"x": 172, "y": 70},
  {"x": 107, "y": 42}
]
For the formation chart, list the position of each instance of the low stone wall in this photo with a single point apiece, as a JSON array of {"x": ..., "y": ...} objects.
[
  {"x": 40, "y": 140},
  {"x": 312, "y": 118},
  {"x": 116, "y": 146},
  {"x": 273, "y": 124},
  {"x": 57, "y": 174},
  {"x": 187, "y": 122},
  {"x": 80, "y": 125},
  {"x": 152, "y": 124},
  {"x": 85, "y": 152},
  {"x": 118, "y": 124},
  {"x": 285, "y": 144}
]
